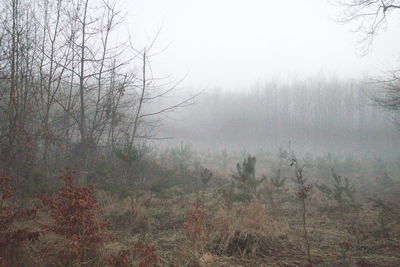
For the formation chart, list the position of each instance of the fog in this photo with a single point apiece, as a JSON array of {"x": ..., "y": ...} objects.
[
  {"x": 316, "y": 116},
  {"x": 271, "y": 73},
  {"x": 216, "y": 75},
  {"x": 199, "y": 133},
  {"x": 233, "y": 44}
]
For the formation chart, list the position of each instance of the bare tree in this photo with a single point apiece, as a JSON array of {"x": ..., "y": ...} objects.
[
  {"x": 70, "y": 86},
  {"x": 18, "y": 122},
  {"x": 95, "y": 68},
  {"x": 371, "y": 17},
  {"x": 389, "y": 97},
  {"x": 147, "y": 91}
]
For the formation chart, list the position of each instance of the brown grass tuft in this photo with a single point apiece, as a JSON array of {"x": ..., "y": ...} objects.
[{"x": 250, "y": 230}]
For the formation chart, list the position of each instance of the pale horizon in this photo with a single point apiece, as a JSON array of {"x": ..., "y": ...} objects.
[{"x": 216, "y": 44}]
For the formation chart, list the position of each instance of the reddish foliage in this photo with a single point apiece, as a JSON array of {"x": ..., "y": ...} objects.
[
  {"x": 11, "y": 237},
  {"x": 195, "y": 223},
  {"x": 146, "y": 256},
  {"x": 74, "y": 212},
  {"x": 304, "y": 192},
  {"x": 120, "y": 259}
]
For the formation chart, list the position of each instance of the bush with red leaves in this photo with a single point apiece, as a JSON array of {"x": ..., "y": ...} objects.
[
  {"x": 74, "y": 212},
  {"x": 142, "y": 255},
  {"x": 11, "y": 236},
  {"x": 195, "y": 225}
]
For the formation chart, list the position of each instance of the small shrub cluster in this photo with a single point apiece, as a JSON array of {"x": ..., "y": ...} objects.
[
  {"x": 195, "y": 226},
  {"x": 388, "y": 216},
  {"x": 141, "y": 255},
  {"x": 73, "y": 234},
  {"x": 74, "y": 212},
  {"x": 276, "y": 193},
  {"x": 267, "y": 221},
  {"x": 245, "y": 180},
  {"x": 342, "y": 193}
]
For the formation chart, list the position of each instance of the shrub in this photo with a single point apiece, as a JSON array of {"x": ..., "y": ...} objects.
[
  {"x": 245, "y": 179},
  {"x": 205, "y": 176},
  {"x": 226, "y": 191},
  {"x": 388, "y": 216},
  {"x": 342, "y": 192},
  {"x": 74, "y": 211},
  {"x": 195, "y": 226},
  {"x": 141, "y": 255},
  {"x": 275, "y": 192}
]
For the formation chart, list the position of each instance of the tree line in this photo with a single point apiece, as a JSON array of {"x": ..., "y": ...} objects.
[{"x": 319, "y": 114}]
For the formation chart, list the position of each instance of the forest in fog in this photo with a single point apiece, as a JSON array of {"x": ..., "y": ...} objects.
[
  {"x": 316, "y": 115},
  {"x": 108, "y": 159}
]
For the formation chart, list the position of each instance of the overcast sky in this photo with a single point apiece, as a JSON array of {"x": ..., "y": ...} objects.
[{"x": 232, "y": 44}]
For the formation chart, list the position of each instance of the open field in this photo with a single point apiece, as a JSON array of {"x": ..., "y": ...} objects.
[{"x": 181, "y": 214}]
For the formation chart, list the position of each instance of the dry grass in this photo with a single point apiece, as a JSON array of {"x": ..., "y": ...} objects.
[
  {"x": 246, "y": 235},
  {"x": 251, "y": 231}
]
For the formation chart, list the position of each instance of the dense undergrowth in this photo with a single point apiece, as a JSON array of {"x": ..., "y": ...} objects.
[{"x": 167, "y": 209}]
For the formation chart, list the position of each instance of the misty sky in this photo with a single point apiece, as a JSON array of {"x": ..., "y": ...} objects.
[{"x": 232, "y": 44}]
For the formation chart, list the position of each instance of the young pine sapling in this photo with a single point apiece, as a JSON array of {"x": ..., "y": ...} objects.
[{"x": 245, "y": 180}]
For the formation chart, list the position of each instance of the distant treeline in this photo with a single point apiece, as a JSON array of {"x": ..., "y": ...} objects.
[{"x": 315, "y": 115}]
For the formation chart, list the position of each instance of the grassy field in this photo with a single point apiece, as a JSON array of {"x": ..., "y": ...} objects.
[{"x": 190, "y": 216}]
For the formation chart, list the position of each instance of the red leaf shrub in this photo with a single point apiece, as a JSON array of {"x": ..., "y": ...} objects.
[
  {"x": 195, "y": 226},
  {"x": 74, "y": 212},
  {"x": 142, "y": 255},
  {"x": 195, "y": 222},
  {"x": 147, "y": 255}
]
